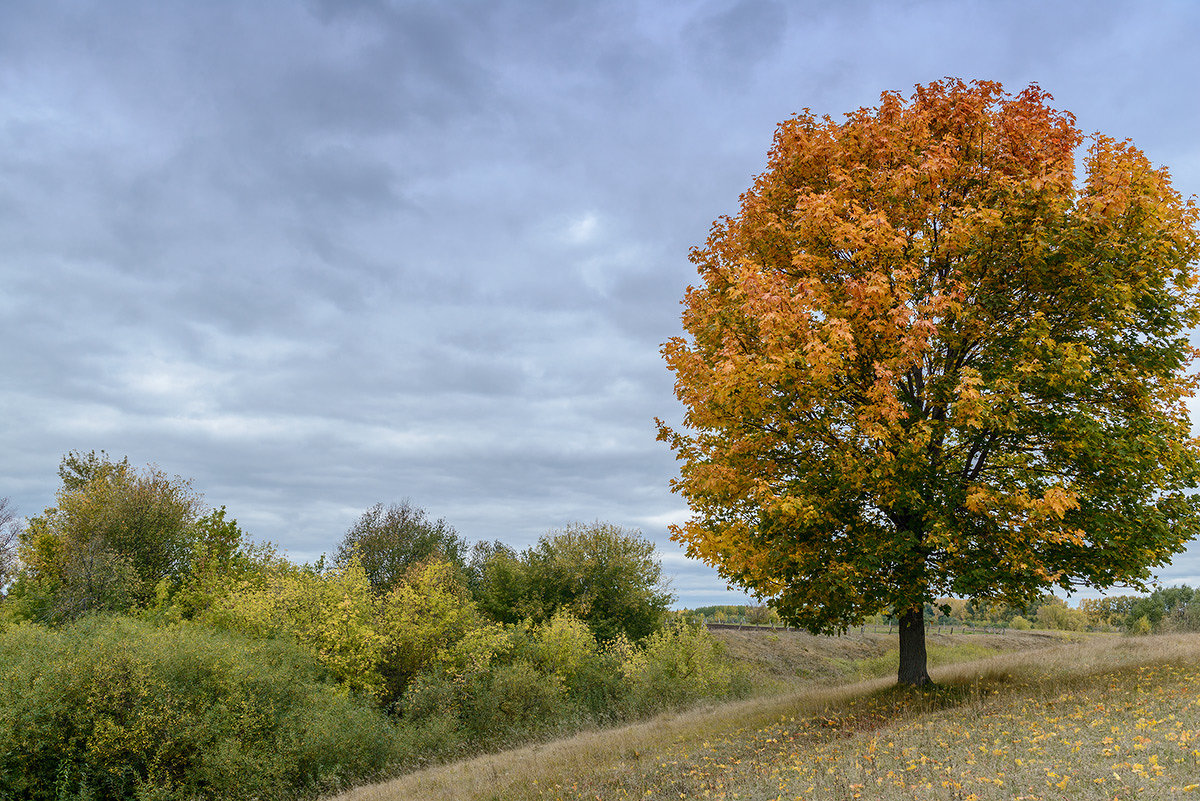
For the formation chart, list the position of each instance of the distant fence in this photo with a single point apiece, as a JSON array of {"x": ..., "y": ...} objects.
[{"x": 875, "y": 628}]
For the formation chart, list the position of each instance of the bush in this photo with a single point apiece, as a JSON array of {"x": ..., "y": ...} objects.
[
  {"x": 1020, "y": 624},
  {"x": 370, "y": 643},
  {"x": 546, "y": 678},
  {"x": 333, "y": 615},
  {"x": 563, "y": 646},
  {"x": 605, "y": 575},
  {"x": 678, "y": 665},
  {"x": 114, "y": 708},
  {"x": 517, "y": 701},
  {"x": 1061, "y": 617}
]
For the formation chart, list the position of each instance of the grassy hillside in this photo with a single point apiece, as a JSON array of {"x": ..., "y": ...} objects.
[
  {"x": 796, "y": 658},
  {"x": 838, "y": 739}
]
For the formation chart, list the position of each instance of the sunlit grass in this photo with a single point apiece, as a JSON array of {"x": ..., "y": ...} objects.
[{"x": 1115, "y": 718}]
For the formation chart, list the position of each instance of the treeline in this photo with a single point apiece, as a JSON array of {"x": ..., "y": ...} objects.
[
  {"x": 1171, "y": 609},
  {"x": 152, "y": 650}
]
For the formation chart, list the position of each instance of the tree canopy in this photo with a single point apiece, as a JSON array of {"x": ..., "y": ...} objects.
[
  {"x": 925, "y": 360},
  {"x": 390, "y": 540},
  {"x": 607, "y": 576},
  {"x": 113, "y": 534}
]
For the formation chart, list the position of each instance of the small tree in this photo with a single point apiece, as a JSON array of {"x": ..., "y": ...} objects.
[
  {"x": 10, "y": 531},
  {"x": 390, "y": 540},
  {"x": 499, "y": 582},
  {"x": 604, "y": 575},
  {"x": 607, "y": 576},
  {"x": 77, "y": 468},
  {"x": 1061, "y": 617},
  {"x": 113, "y": 535},
  {"x": 923, "y": 361}
]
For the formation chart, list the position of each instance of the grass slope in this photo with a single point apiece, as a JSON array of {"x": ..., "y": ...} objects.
[
  {"x": 797, "y": 658},
  {"x": 742, "y": 750}
]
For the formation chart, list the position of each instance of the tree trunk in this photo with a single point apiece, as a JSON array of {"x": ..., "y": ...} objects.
[{"x": 913, "y": 666}]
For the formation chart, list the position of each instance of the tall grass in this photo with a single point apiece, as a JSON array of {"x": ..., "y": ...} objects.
[{"x": 1099, "y": 719}]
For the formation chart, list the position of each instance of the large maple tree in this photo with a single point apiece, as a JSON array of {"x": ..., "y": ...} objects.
[{"x": 925, "y": 358}]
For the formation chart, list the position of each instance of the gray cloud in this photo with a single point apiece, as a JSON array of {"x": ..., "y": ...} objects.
[{"x": 318, "y": 256}]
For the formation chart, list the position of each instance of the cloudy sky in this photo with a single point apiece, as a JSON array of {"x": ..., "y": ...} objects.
[{"x": 317, "y": 255}]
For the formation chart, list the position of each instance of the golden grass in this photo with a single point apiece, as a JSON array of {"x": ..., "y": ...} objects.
[{"x": 1101, "y": 718}]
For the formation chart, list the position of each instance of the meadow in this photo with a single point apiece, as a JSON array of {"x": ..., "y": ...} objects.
[{"x": 1112, "y": 717}]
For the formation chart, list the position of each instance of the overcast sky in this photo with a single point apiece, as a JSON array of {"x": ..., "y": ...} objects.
[{"x": 318, "y": 255}]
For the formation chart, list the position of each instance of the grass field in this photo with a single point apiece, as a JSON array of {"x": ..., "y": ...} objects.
[
  {"x": 793, "y": 659},
  {"x": 1092, "y": 718}
]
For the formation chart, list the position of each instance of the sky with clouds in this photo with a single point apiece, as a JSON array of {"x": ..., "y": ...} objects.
[{"x": 318, "y": 255}]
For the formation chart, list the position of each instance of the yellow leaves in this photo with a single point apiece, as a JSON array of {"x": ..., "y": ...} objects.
[
  {"x": 970, "y": 406},
  {"x": 979, "y": 499},
  {"x": 426, "y": 620},
  {"x": 1055, "y": 502}
]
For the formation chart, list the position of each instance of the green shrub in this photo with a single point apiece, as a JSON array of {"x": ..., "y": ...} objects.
[
  {"x": 607, "y": 576},
  {"x": 563, "y": 645},
  {"x": 517, "y": 701},
  {"x": 555, "y": 677},
  {"x": 1060, "y": 617},
  {"x": 678, "y": 665},
  {"x": 113, "y": 708},
  {"x": 1020, "y": 624}
]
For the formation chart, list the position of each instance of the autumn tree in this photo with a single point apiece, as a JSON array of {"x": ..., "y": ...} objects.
[
  {"x": 925, "y": 360},
  {"x": 112, "y": 535}
]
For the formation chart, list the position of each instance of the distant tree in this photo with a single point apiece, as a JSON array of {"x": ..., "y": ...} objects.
[
  {"x": 1060, "y": 617},
  {"x": 604, "y": 575},
  {"x": 762, "y": 615},
  {"x": 10, "y": 531},
  {"x": 1109, "y": 612},
  {"x": 77, "y": 468},
  {"x": 1168, "y": 608},
  {"x": 390, "y": 540}
]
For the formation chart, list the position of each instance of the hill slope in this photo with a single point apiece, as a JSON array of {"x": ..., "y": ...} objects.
[
  {"x": 799, "y": 658},
  {"x": 744, "y": 749}
]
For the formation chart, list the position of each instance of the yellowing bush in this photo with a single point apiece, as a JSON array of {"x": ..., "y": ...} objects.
[
  {"x": 676, "y": 665},
  {"x": 563, "y": 646},
  {"x": 333, "y": 615},
  {"x": 116, "y": 708},
  {"x": 370, "y": 643}
]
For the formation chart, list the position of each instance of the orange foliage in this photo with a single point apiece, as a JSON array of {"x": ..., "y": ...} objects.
[{"x": 923, "y": 360}]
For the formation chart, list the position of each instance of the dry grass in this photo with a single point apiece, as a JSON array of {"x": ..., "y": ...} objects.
[
  {"x": 1115, "y": 719},
  {"x": 725, "y": 750},
  {"x": 532, "y": 771},
  {"x": 797, "y": 658}
]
